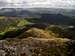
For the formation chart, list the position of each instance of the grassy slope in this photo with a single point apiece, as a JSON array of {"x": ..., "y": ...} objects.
[{"x": 37, "y": 41}]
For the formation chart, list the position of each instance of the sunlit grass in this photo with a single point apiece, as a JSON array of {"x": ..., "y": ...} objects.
[
  {"x": 22, "y": 23},
  {"x": 2, "y": 33}
]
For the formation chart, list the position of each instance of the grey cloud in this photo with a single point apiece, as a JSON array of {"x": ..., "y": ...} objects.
[
  {"x": 26, "y": 4},
  {"x": 2, "y": 4}
]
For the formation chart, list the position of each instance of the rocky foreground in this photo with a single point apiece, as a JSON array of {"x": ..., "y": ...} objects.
[{"x": 37, "y": 47}]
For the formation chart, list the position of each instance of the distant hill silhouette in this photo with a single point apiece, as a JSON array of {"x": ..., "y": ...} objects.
[
  {"x": 52, "y": 18},
  {"x": 56, "y": 18}
]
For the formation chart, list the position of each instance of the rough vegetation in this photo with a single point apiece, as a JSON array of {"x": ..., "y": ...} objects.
[
  {"x": 36, "y": 47},
  {"x": 20, "y": 39},
  {"x": 38, "y": 33}
]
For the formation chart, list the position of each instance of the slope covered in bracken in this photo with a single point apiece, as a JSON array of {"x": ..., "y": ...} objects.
[
  {"x": 34, "y": 37},
  {"x": 37, "y": 42}
]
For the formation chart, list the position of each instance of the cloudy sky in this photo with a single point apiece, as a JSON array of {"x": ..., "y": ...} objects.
[{"x": 70, "y": 4}]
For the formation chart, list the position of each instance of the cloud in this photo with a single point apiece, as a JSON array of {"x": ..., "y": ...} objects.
[{"x": 70, "y": 4}]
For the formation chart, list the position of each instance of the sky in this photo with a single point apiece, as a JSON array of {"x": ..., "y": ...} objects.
[{"x": 66, "y": 4}]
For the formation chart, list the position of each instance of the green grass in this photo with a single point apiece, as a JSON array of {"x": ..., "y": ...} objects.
[
  {"x": 2, "y": 33},
  {"x": 23, "y": 22}
]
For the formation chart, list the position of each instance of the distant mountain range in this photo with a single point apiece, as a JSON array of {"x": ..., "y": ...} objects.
[
  {"x": 35, "y": 12},
  {"x": 48, "y": 15},
  {"x": 57, "y": 19}
]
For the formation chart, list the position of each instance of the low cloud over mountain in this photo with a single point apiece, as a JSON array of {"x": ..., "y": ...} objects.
[{"x": 66, "y": 4}]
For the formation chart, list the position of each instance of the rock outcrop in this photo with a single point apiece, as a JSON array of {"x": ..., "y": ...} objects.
[{"x": 37, "y": 47}]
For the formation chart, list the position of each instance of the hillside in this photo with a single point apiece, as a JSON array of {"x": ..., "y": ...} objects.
[
  {"x": 36, "y": 36},
  {"x": 35, "y": 42},
  {"x": 36, "y": 47}
]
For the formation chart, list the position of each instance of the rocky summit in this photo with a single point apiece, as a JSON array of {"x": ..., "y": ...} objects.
[{"x": 37, "y": 47}]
